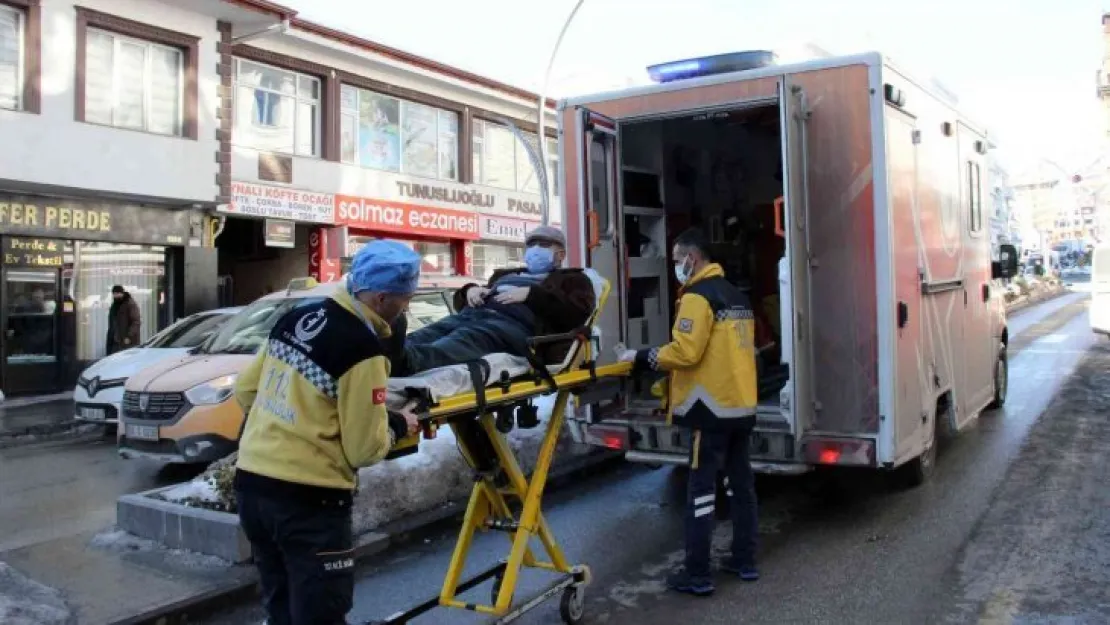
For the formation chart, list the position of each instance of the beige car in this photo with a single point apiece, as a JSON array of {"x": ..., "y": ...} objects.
[{"x": 183, "y": 410}]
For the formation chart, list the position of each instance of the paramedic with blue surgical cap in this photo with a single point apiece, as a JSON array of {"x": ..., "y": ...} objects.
[{"x": 315, "y": 403}]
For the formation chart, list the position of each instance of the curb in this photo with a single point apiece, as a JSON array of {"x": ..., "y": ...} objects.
[
  {"x": 46, "y": 433},
  {"x": 1032, "y": 301},
  {"x": 368, "y": 545}
]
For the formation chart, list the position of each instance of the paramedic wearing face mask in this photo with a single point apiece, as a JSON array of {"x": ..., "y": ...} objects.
[
  {"x": 712, "y": 389},
  {"x": 315, "y": 399},
  {"x": 538, "y": 299}
]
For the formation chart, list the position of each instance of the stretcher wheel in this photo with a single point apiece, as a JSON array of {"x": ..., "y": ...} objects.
[
  {"x": 503, "y": 420},
  {"x": 573, "y": 605}
]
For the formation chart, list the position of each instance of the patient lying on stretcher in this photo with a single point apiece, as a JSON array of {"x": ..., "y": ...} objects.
[{"x": 516, "y": 304}]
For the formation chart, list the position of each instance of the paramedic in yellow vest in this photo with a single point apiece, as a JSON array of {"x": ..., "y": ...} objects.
[
  {"x": 315, "y": 398},
  {"x": 712, "y": 389}
]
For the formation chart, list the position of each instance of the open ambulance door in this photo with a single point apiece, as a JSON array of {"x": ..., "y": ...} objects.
[
  {"x": 599, "y": 199},
  {"x": 798, "y": 405}
]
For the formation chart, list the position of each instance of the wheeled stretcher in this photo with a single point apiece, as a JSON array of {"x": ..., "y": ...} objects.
[{"x": 481, "y": 403}]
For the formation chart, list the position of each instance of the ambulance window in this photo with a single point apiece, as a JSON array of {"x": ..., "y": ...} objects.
[
  {"x": 975, "y": 198},
  {"x": 599, "y": 183}
]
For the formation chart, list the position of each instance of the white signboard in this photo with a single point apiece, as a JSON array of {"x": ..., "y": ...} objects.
[
  {"x": 505, "y": 229},
  {"x": 251, "y": 199},
  {"x": 428, "y": 192}
]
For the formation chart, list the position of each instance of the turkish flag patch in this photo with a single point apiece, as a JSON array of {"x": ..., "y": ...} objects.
[{"x": 379, "y": 396}]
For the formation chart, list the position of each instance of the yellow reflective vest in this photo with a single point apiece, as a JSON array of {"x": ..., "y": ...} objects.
[
  {"x": 711, "y": 356},
  {"x": 315, "y": 396}
]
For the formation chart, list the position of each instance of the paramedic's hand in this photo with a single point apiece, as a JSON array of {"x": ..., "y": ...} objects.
[
  {"x": 408, "y": 411},
  {"x": 624, "y": 354},
  {"x": 515, "y": 295},
  {"x": 476, "y": 296}
]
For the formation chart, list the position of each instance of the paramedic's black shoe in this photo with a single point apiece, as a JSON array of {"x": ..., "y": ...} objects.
[
  {"x": 685, "y": 583},
  {"x": 746, "y": 572}
]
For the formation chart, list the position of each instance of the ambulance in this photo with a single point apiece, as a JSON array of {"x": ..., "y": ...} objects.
[{"x": 848, "y": 200}]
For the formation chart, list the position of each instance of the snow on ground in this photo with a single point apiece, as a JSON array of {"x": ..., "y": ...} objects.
[
  {"x": 122, "y": 542},
  {"x": 391, "y": 491},
  {"x": 200, "y": 488},
  {"x": 23, "y": 601}
]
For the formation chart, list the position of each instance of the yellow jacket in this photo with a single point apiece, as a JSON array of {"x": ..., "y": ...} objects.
[
  {"x": 315, "y": 397},
  {"x": 711, "y": 356}
]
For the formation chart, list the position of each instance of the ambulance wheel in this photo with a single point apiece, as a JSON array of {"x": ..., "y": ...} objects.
[
  {"x": 573, "y": 605},
  {"x": 1001, "y": 381},
  {"x": 917, "y": 471}
]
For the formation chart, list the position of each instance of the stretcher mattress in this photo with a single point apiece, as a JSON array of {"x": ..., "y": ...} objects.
[{"x": 455, "y": 380}]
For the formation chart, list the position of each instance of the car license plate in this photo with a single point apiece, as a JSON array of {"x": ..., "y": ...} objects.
[
  {"x": 91, "y": 414},
  {"x": 143, "y": 432}
]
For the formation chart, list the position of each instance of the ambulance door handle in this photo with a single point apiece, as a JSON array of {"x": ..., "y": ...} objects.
[
  {"x": 986, "y": 292},
  {"x": 903, "y": 314}
]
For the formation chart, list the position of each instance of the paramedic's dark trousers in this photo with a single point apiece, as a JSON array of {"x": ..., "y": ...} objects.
[
  {"x": 461, "y": 338},
  {"x": 304, "y": 554},
  {"x": 723, "y": 449}
]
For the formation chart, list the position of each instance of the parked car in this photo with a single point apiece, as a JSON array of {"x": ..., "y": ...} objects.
[
  {"x": 183, "y": 410},
  {"x": 99, "y": 390}
]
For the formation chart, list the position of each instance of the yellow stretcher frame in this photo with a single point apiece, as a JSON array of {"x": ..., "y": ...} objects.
[{"x": 478, "y": 420}]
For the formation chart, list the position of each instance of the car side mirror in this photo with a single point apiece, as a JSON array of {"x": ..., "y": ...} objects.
[{"x": 1007, "y": 264}]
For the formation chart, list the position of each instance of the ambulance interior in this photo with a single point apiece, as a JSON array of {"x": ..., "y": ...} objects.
[{"x": 720, "y": 171}]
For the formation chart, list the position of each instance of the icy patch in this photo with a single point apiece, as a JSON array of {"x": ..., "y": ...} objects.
[
  {"x": 120, "y": 541},
  {"x": 394, "y": 490},
  {"x": 23, "y": 601},
  {"x": 200, "y": 489}
]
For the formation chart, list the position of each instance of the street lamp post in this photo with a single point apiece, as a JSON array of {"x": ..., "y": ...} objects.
[{"x": 541, "y": 112}]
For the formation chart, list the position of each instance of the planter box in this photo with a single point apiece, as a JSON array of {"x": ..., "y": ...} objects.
[{"x": 183, "y": 527}]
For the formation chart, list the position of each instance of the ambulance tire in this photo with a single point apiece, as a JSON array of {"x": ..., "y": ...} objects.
[
  {"x": 1001, "y": 380},
  {"x": 919, "y": 470}
]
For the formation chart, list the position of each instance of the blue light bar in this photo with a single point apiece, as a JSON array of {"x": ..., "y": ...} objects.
[{"x": 710, "y": 65}]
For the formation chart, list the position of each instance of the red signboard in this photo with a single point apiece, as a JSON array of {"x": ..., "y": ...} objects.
[
  {"x": 320, "y": 266},
  {"x": 400, "y": 218}
]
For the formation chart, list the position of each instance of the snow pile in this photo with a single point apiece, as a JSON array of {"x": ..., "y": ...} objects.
[
  {"x": 201, "y": 489},
  {"x": 394, "y": 490},
  {"x": 120, "y": 541},
  {"x": 24, "y": 601}
]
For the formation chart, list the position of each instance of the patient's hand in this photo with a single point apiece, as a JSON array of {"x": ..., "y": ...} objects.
[
  {"x": 515, "y": 295},
  {"x": 476, "y": 296},
  {"x": 408, "y": 411}
]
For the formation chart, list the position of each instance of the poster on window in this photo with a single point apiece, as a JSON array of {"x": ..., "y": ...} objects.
[
  {"x": 419, "y": 136},
  {"x": 379, "y": 132}
]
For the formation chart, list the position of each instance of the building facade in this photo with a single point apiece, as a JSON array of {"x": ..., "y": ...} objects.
[{"x": 206, "y": 152}]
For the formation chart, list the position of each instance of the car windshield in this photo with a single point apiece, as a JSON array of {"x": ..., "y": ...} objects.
[
  {"x": 426, "y": 309},
  {"x": 189, "y": 332},
  {"x": 247, "y": 331}
]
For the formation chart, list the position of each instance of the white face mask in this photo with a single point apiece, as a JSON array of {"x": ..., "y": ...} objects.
[{"x": 681, "y": 272}]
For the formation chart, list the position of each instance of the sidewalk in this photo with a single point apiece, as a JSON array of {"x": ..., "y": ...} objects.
[{"x": 41, "y": 414}]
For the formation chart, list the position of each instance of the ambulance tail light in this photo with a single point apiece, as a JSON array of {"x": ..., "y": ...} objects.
[
  {"x": 609, "y": 436},
  {"x": 845, "y": 452}
]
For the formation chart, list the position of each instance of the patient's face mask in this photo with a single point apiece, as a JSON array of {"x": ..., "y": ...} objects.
[
  {"x": 539, "y": 259},
  {"x": 682, "y": 270}
]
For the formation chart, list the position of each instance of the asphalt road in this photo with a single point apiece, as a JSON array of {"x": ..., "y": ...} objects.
[
  {"x": 54, "y": 489},
  {"x": 860, "y": 553}
]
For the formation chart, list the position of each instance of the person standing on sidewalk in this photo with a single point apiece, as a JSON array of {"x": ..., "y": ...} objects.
[
  {"x": 315, "y": 404},
  {"x": 124, "y": 321},
  {"x": 712, "y": 389}
]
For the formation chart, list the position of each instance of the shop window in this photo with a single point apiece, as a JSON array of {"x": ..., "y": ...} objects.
[
  {"x": 32, "y": 297},
  {"x": 12, "y": 32},
  {"x": 132, "y": 83},
  {"x": 276, "y": 110},
  {"x": 386, "y": 133},
  {"x": 490, "y": 257},
  {"x": 501, "y": 161},
  {"x": 97, "y": 267},
  {"x": 438, "y": 258}
]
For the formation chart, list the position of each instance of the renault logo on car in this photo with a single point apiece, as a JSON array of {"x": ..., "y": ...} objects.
[{"x": 94, "y": 386}]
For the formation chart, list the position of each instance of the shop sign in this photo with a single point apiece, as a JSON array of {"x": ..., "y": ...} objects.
[
  {"x": 323, "y": 266},
  {"x": 280, "y": 233},
  {"x": 34, "y": 252},
  {"x": 506, "y": 229},
  {"x": 251, "y": 199},
  {"x": 414, "y": 190},
  {"x": 37, "y": 216},
  {"x": 410, "y": 219}
]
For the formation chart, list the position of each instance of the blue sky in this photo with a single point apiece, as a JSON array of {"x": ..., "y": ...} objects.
[{"x": 1023, "y": 68}]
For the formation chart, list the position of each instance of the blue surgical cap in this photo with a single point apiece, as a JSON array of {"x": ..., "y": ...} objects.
[{"x": 385, "y": 267}]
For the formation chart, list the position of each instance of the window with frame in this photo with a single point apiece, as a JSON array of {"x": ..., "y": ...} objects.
[
  {"x": 13, "y": 26},
  {"x": 500, "y": 160},
  {"x": 132, "y": 83},
  {"x": 276, "y": 110},
  {"x": 489, "y": 257},
  {"x": 975, "y": 198},
  {"x": 382, "y": 132}
]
